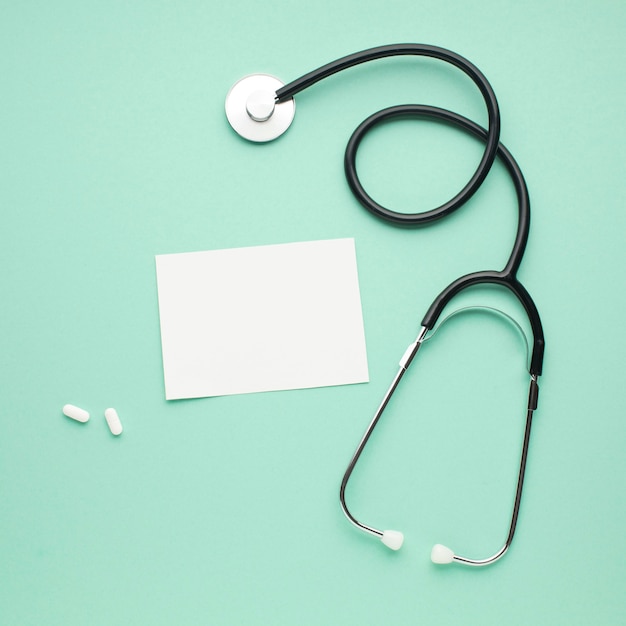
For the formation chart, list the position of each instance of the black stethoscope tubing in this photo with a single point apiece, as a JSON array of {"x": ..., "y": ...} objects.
[
  {"x": 506, "y": 277},
  {"x": 296, "y": 86}
]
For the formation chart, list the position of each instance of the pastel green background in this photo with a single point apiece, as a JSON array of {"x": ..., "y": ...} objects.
[{"x": 114, "y": 147}]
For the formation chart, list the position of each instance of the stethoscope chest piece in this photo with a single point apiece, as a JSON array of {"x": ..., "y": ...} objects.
[{"x": 253, "y": 112}]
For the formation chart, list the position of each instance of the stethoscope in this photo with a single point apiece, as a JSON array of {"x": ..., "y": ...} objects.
[{"x": 261, "y": 108}]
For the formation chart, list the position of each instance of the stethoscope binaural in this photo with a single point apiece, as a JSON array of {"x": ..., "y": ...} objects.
[{"x": 260, "y": 108}]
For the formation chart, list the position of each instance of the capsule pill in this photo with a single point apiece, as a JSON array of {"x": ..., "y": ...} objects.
[
  {"x": 75, "y": 413},
  {"x": 113, "y": 420}
]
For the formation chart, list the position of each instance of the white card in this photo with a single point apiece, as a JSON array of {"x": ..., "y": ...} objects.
[{"x": 265, "y": 318}]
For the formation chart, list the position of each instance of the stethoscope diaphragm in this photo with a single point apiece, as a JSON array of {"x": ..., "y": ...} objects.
[{"x": 253, "y": 112}]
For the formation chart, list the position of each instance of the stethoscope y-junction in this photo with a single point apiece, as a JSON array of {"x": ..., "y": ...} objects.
[{"x": 260, "y": 108}]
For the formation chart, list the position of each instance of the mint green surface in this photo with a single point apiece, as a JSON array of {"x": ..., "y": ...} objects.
[{"x": 114, "y": 147}]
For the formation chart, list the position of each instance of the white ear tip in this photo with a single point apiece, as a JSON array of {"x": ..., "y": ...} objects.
[
  {"x": 392, "y": 539},
  {"x": 441, "y": 555}
]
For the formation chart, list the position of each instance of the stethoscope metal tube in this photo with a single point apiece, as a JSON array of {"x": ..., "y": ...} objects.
[
  {"x": 246, "y": 112},
  {"x": 442, "y": 553},
  {"x": 408, "y": 356},
  {"x": 393, "y": 538}
]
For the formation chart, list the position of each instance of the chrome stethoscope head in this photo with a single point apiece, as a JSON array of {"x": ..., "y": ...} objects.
[{"x": 252, "y": 109}]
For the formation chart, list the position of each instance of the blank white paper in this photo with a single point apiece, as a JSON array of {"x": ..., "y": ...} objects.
[{"x": 263, "y": 318}]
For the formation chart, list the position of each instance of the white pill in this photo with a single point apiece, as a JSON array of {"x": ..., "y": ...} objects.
[
  {"x": 76, "y": 413},
  {"x": 113, "y": 420}
]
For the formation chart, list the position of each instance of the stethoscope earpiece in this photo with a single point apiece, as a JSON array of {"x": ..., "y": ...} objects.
[
  {"x": 393, "y": 539},
  {"x": 441, "y": 554},
  {"x": 253, "y": 112}
]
